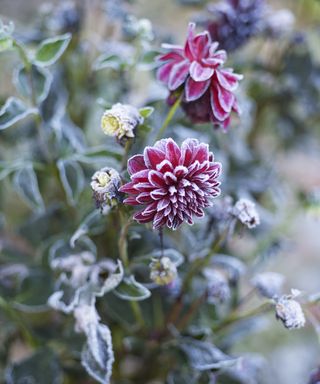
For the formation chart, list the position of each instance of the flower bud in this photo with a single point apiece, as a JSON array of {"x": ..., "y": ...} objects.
[
  {"x": 245, "y": 211},
  {"x": 121, "y": 121},
  {"x": 268, "y": 284},
  {"x": 163, "y": 271},
  {"x": 289, "y": 311},
  {"x": 105, "y": 185}
]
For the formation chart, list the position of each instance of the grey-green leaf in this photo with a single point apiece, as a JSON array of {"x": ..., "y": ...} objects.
[
  {"x": 35, "y": 83},
  {"x": 26, "y": 184},
  {"x": 97, "y": 356},
  {"x": 130, "y": 289},
  {"x": 146, "y": 111},
  {"x": 72, "y": 178},
  {"x": 50, "y": 50},
  {"x": 13, "y": 111}
]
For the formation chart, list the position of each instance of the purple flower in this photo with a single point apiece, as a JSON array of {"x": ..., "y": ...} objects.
[
  {"x": 174, "y": 184},
  {"x": 197, "y": 70}
]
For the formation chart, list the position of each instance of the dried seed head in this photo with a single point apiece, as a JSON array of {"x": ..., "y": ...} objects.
[
  {"x": 163, "y": 271},
  {"x": 121, "y": 121},
  {"x": 105, "y": 185},
  {"x": 245, "y": 211},
  {"x": 289, "y": 311},
  {"x": 268, "y": 284}
]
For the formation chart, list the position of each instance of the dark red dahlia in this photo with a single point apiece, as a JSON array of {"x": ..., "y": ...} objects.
[
  {"x": 197, "y": 70},
  {"x": 174, "y": 184},
  {"x": 235, "y": 22}
]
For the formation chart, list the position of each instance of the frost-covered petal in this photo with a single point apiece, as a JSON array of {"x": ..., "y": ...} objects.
[
  {"x": 178, "y": 75},
  {"x": 200, "y": 73},
  {"x": 195, "y": 89}
]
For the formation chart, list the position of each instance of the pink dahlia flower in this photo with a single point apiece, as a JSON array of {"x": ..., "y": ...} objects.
[
  {"x": 174, "y": 184},
  {"x": 197, "y": 70}
]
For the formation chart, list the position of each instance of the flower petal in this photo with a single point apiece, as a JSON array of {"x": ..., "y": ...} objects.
[
  {"x": 173, "y": 152},
  {"x": 178, "y": 75},
  {"x": 200, "y": 73},
  {"x": 153, "y": 156},
  {"x": 188, "y": 48},
  {"x": 228, "y": 80},
  {"x": 163, "y": 73},
  {"x": 195, "y": 89},
  {"x": 218, "y": 112},
  {"x": 156, "y": 179},
  {"x": 226, "y": 98},
  {"x": 135, "y": 164}
]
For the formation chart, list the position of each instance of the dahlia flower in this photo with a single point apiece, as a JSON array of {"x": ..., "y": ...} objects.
[
  {"x": 236, "y": 21},
  {"x": 174, "y": 184},
  {"x": 197, "y": 70}
]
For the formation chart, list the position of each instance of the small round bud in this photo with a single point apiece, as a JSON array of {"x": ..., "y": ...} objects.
[
  {"x": 245, "y": 211},
  {"x": 105, "y": 185},
  {"x": 289, "y": 311},
  {"x": 121, "y": 121},
  {"x": 268, "y": 284},
  {"x": 163, "y": 271}
]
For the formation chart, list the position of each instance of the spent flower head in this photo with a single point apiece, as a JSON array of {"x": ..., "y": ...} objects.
[
  {"x": 173, "y": 183},
  {"x": 197, "y": 71},
  {"x": 105, "y": 185},
  {"x": 163, "y": 271},
  {"x": 245, "y": 211},
  {"x": 289, "y": 311},
  {"x": 121, "y": 121},
  {"x": 218, "y": 286}
]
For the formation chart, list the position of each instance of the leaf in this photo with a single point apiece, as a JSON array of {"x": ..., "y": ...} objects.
[
  {"x": 146, "y": 111},
  {"x": 26, "y": 184},
  {"x": 13, "y": 111},
  {"x": 5, "y": 43},
  {"x": 50, "y": 50},
  {"x": 204, "y": 356},
  {"x": 72, "y": 178},
  {"x": 130, "y": 289},
  {"x": 93, "y": 223},
  {"x": 97, "y": 355},
  {"x": 39, "y": 78},
  {"x": 42, "y": 367},
  {"x": 112, "y": 61}
]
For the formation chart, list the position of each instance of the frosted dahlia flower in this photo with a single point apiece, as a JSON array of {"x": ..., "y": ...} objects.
[
  {"x": 197, "y": 70},
  {"x": 174, "y": 184}
]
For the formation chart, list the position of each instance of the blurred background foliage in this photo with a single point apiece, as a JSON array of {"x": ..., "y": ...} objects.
[{"x": 270, "y": 154}]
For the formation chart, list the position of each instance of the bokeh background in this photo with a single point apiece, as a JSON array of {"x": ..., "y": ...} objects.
[{"x": 290, "y": 355}]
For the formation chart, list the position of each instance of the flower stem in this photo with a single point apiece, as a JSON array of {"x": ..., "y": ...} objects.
[
  {"x": 123, "y": 254},
  {"x": 169, "y": 117}
]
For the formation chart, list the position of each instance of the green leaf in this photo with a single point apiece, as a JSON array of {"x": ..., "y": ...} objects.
[
  {"x": 146, "y": 111},
  {"x": 94, "y": 223},
  {"x": 97, "y": 355},
  {"x": 38, "y": 78},
  {"x": 50, "y": 50},
  {"x": 5, "y": 43},
  {"x": 130, "y": 289},
  {"x": 107, "y": 61},
  {"x": 204, "y": 356},
  {"x": 13, "y": 111},
  {"x": 72, "y": 178},
  {"x": 26, "y": 184}
]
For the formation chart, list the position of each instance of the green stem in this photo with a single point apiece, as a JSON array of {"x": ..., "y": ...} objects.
[
  {"x": 235, "y": 316},
  {"x": 123, "y": 254},
  {"x": 169, "y": 117},
  {"x": 126, "y": 154}
]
